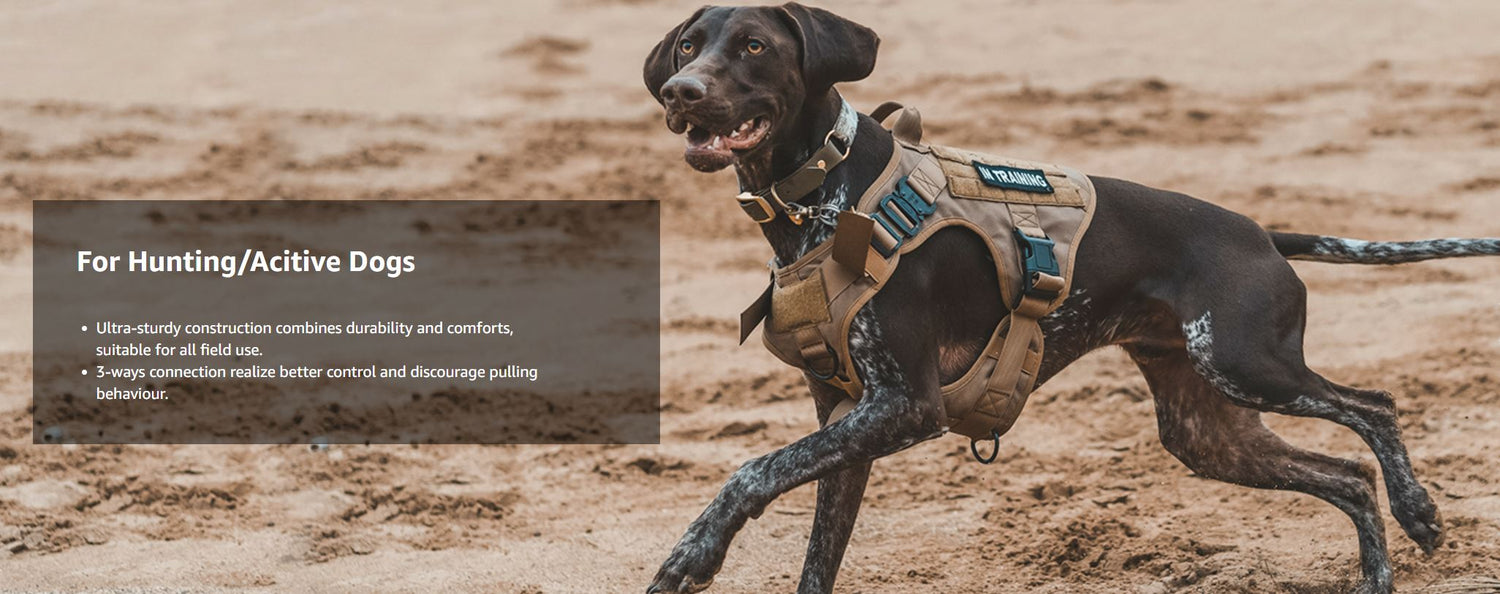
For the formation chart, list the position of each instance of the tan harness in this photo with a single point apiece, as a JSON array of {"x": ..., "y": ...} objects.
[{"x": 1031, "y": 216}]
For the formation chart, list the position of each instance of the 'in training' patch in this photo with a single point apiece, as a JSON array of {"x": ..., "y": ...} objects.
[{"x": 1013, "y": 178}]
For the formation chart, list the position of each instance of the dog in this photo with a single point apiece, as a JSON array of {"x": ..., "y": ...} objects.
[{"x": 1202, "y": 299}]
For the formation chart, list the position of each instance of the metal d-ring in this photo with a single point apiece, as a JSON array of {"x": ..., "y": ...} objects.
[
  {"x": 824, "y": 377},
  {"x": 834, "y": 371},
  {"x": 974, "y": 448},
  {"x": 832, "y": 134}
]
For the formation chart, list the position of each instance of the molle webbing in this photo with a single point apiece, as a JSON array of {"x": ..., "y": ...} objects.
[
  {"x": 966, "y": 181},
  {"x": 1031, "y": 217}
]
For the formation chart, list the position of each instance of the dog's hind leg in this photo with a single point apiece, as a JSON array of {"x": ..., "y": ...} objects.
[
  {"x": 1372, "y": 414},
  {"x": 1247, "y": 340},
  {"x": 1266, "y": 372},
  {"x": 1243, "y": 335},
  {"x": 1218, "y": 439}
]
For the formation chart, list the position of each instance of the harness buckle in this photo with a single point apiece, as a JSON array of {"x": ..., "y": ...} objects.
[
  {"x": 1037, "y": 258},
  {"x": 901, "y": 213}
]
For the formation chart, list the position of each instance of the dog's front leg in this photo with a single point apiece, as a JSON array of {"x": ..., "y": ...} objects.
[
  {"x": 901, "y": 406},
  {"x": 839, "y": 497}
]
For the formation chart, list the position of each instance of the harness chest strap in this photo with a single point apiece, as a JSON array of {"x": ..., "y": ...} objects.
[
  {"x": 1016, "y": 364},
  {"x": 1014, "y": 367},
  {"x": 1020, "y": 356},
  {"x": 803, "y": 291}
]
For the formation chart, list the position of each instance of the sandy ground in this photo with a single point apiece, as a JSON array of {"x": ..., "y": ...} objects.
[{"x": 1373, "y": 119}]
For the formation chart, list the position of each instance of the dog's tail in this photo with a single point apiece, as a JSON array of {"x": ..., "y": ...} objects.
[{"x": 1338, "y": 250}]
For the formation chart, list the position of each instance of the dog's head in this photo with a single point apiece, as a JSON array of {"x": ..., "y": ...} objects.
[{"x": 735, "y": 79}]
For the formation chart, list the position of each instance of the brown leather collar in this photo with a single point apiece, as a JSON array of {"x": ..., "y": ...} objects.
[{"x": 764, "y": 205}]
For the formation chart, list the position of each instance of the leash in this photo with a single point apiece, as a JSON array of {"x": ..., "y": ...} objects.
[{"x": 763, "y": 206}]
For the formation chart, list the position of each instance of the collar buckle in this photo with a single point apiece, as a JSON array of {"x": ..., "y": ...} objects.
[
  {"x": 764, "y": 206},
  {"x": 756, "y": 206}
]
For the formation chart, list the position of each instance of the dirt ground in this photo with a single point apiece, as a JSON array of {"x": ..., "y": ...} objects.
[{"x": 1378, "y": 120}]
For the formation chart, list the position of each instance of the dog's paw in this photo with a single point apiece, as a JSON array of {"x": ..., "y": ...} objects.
[
  {"x": 1375, "y": 587},
  {"x": 1419, "y": 518},
  {"x": 690, "y": 568},
  {"x": 1426, "y": 529}
]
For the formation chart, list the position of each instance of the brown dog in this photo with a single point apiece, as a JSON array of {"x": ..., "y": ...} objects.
[{"x": 1202, "y": 298}]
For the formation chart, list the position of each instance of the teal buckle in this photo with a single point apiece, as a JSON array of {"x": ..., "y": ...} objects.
[
  {"x": 895, "y": 209},
  {"x": 1036, "y": 256}
]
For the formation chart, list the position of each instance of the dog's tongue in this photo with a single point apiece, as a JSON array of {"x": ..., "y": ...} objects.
[
  {"x": 707, "y": 151},
  {"x": 712, "y": 143},
  {"x": 746, "y": 136},
  {"x": 700, "y": 140}
]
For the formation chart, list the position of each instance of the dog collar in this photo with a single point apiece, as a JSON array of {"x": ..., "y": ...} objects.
[{"x": 782, "y": 196}]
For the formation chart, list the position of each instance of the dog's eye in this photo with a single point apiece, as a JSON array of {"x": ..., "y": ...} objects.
[
  {"x": 755, "y": 46},
  {"x": 686, "y": 46}
]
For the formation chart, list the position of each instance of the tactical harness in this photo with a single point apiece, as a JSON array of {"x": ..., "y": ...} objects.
[{"x": 1031, "y": 217}]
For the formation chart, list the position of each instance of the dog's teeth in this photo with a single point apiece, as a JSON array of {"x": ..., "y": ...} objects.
[{"x": 744, "y": 129}]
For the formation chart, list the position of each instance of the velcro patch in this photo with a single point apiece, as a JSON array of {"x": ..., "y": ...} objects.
[
  {"x": 1013, "y": 178},
  {"x": 799, "y": 305}
]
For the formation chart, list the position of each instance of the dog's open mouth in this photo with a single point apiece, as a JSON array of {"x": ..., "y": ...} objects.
[{"x": 710, "y": 150}]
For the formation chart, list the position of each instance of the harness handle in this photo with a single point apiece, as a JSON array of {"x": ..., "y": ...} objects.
[{"x": 908, "y": 125}]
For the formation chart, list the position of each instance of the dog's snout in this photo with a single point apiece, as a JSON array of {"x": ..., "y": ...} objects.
[{"x": 682, "y": 91}]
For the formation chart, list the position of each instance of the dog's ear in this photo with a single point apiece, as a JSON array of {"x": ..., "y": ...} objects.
[
  {"x": 834, "y": 49},
  {"x": 661, "y": 63}
]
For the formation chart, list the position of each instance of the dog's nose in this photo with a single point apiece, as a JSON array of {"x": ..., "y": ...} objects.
[{"x": 682, "y": 91}]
